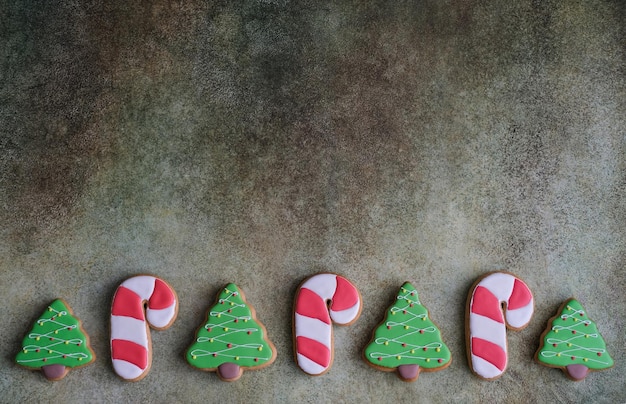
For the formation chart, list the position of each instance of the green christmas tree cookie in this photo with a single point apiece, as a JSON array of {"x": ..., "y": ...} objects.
[
  {"x": 231, "y": 338},
  {"x": 407, "y": 340},
  {"x": 572, "y": 342},
  {"x": 56, "y": 343}
]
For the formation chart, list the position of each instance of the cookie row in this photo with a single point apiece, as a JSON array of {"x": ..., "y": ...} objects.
[{"x": 232, "y": 339}]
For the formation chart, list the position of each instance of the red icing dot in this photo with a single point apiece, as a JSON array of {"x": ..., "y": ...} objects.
[
  {"x": 389, "y": 327},
  {"x": 256, "y": 359},
  {"x": 586, "y": 324},
  {"x": 69, "y": 328},
  {"x": 78, "y": 344},
  {"x": 421, "y": 331},
  {"x": 564, "y": 318},
  {"x": 425, "y": 349},
  {"x": 44, "y": 359},
  {"x": 236, "y": 320},
  {"x": 249, "y": 332},
  {"x": 554, "y": 345},
  {"x": 235, "y": 294},
  {"x": 209, "y": 329},
  {"x": 403, "y": 344},
  {"x": 412, "y": 293},
  {"x": 230, "y": 310},
  {"x": 581, "y": 314},
  {"x": 214, "y": 355},
  {"x": 64, "y": 356},
  {"x": 36, "y": 350},
  {"x": 51, "y": 339},
  {"x": 573, "y": 357},
  {"x": 380, "y": 359},
  {"x": 440, "y": 360},
  {"x": 221, "y": 302},
  {"x": 573, "y": 331},
  {"x": 230, "y": 345},
  {"x": 403, "y": 311},
  {"x": 599, "y": 353},
  {"x": 52, "y": 318},
  {"x": 411, "y": 305}
]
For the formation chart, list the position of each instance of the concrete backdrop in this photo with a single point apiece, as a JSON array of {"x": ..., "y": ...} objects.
[{"x": 259, "y": 142}]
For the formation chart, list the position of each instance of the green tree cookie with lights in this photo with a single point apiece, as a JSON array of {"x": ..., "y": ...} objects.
[
  {"x": 407, "y": 340},
  {"x": 231, "y": 338},
  {"x": 56, "y": 343},
  {"x": 572, "y": 342}
]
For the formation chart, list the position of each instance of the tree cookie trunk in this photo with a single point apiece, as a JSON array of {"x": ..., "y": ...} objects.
[
  {"x": 408, "y": 373},
  {"x": 577, "y": 372},
  {"x": 229, "y": 371},
  {"x": 54, "y": 372}
]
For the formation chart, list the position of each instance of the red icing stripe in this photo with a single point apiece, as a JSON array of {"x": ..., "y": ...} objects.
[
  {"x": 162, "y": 296},
  {"x": 315, "y": 351},
  {"x": 520, "y": 296},
  {"x": 346, "y": 295},
  {"x": 127, "y": 303},
  {"x": 130, "y": 352},
  {"x": 490, "y": 352},
  {"x": 310, "y": 304},
  {"x": 486, "y": 304}
]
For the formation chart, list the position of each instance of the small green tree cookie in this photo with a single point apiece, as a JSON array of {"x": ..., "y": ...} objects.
[
  {"x": 407, "y": 340},
  {"x": 231, "y": 338},
  {"x": 56, "y": 343},
  {"x": 572, "y": 342}
]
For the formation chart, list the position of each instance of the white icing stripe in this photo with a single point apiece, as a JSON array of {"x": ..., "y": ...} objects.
[
  {"x": 347, "y": 315},
  {"x": 520, "y": 317},
  {"x": 484, "y": 368},
  {"x": 488, "y": 329},
  {"x": 500, "y": 284},
  {"x": 130, "y": 329},
  {"x": 309, "y": 366},
  {"x": 142, "y": 285},
  {"x": 162, "y": 317},
  {"x": 323, "y": 285},
  {"x": 126, "y": 369},
  {"x": 314, "y": 329}
]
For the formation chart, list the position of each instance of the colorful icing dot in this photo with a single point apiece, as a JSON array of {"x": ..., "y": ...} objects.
[
  {"x": 411, "y": 305},
  {"x": 236, "y": 358},
  {"x": 403, "y": 344},
  {"x": 421, "y": 331},
  {"x": 412, "y": 350},
  {"x": 211, "y": 340},
  {"x": 37, "y": 339},
  {"x": 398, "y": 357},
  {"x": 219, "y": 315},
  {"x": 573, "y": 357},
  {"x": 232, "y": 304},
  {"x": 389, "y": 327},
  {"x": 249, "y": 332},
  {"x": 558, "y": 354},
  {"x": 599, "y": 353},
  {"x": 256, "y": 359},
  {"x": 209, "y": 329},
  {"x": 44, "y": 359},
  {"x": 25, "y": 350},
  {"x": 41, "y": 323},
  {"x": 37, "y": 350},
  {"x": 193, "y": 357},
  {"x": 427, "y": 359},
  {"x": 569, "y": 344},
  {"x": 225, "y": 328},
  {"x": 260, "y": 348},
  {"x": 437, "y": 349},
  {"x": 229, "y": 345},
  {"x": 49, "y": 308},
  {"x": 425, "y": 349},
  {"x": 554, "y": 345},
  {"x": 56, "y": 331},
  {"x": 573, "y": 331},
  {"x": 406, "y": 327},
  {"x": 386, "y": 342},
  {"x": 585, "y": 360},
  {"x": 66, "y": 342},
  {"x": 215, "y": 355},
  {"x": 439, "y": 360},
  {"x": 236, "y": 320}
]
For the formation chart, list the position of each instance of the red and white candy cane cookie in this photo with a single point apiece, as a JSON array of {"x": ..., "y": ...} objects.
[
  {"x": 486, "y": 324},
  {"x": 320, "y": 299},
  {"x": 131, "y": 349}
]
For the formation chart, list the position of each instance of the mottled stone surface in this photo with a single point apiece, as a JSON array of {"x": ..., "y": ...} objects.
[{"x": 259, "y": 142}]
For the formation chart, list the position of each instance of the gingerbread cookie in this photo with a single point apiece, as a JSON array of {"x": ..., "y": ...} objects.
[
  {"x": 232, "y": 339},
  {"x": 56, "y": 343},
  {"x": 407, "y": 340},
  {"x": 321, "y": 300},
  {"x": 573, "y": 343},
  {"x": 486, "y": 325},
  {"x": 139, "y": 302}
]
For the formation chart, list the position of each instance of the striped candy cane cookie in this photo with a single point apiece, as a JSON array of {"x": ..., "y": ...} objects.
[
  {"x": 320, "y": 299},
  {"x": 486, "y": 324},
  {"x": 131, "y": 349}
]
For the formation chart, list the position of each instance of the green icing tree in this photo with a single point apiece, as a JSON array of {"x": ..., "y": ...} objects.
[
  {"x": 56, "y": 343},
  {"x": 407, "y": 340},
  {"x": 231, "y": 338},
  {"x": 572, "y": 342}
]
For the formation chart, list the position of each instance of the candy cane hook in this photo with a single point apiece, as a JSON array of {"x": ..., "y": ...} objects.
[
  {"x": 320, "y": 299},
  {"x": 131, "y": 350},
  {"x": 486, "y": 325}
]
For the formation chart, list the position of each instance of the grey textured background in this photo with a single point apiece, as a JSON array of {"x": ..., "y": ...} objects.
[{"x": 260, "y": 142}]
